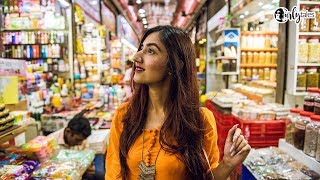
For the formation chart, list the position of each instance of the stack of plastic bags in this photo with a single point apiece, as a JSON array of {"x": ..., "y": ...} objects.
[{"x": 43, "y": 147}]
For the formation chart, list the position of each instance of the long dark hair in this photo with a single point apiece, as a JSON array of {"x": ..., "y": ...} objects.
[{"x": 183, "y": 119}]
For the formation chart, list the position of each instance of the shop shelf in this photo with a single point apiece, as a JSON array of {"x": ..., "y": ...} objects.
[
  {"x": 33, "y": 44},
  {"x": 258, "y": 50},
  {"x": 17, "y": 30},
  {"x": 227, "y": 73},
  {"x": 309, "y": 33},
  {"x": 310, "y": 2},
  {"x": 300, "y": 93},
  {"x": 223, "y": 29},
  {"x": 11, "y": 133},
  {"x": 258, "y": 33},
  {"x": 221, "y": 104},
  {"x": 299, "y": 156},
  {"x": 308, "y": 64},
  {"x": 225, "y": 57},
  {"x": 258, "y": 65}
]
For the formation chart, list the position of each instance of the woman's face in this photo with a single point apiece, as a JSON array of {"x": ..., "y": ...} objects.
[{"x": 151, "y": 61}]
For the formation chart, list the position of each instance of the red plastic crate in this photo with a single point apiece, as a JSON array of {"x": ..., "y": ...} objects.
[
  {"x": 224, "y": 119},
  {"x": 262, "y": 133}
]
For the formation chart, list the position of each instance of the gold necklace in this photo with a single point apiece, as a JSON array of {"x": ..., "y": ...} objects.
[{"x": 147, "y": 171}]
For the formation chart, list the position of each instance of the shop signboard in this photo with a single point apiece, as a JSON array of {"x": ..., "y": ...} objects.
[
  {"x": 108, "y": 18},
  {"x": 91, "y": 10},
  {"x": 13, "y": 67},
  {"x": 125, "y": 31},
  {"x": 231, "y": 38}
]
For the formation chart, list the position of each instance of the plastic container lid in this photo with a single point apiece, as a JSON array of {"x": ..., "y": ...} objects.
[
  {"x": 296, "y": 110},
  {"x": 315, "y": 90},
  {"x": 315, "y": 118},
  {"x": 306, "y": 113}
]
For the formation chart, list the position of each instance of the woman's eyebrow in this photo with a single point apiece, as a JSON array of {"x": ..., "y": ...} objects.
[{"x": 154, "y": 44}]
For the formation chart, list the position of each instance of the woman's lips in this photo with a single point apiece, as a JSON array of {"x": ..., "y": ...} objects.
[{"x": 139, "y": 69}]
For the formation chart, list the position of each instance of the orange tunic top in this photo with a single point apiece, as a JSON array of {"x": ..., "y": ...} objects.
[{"x": 167, "y": 166}]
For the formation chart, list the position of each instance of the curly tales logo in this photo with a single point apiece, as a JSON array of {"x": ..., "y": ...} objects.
[{"x": 283, "y": 15}]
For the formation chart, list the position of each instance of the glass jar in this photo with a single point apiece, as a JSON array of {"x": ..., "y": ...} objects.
[
  {"x": 293, "y": 116},
  {"x": 249, "y": 58},
  {"x": 249, "y": 73},
  {"x": 303, "y": 50},
  {"x": 266, "y": 74},
  {"x": 317, "y": 105},
  {"x": 304, "y": 23},
  {"x": 318, "y": 149},
  {"x": 312, "y": 77},
  {"x": 233, "y": 65},
  {"x": 273, "y": 75},
  {"x": 262, "y": 58},
  {"x": 255, "y": 58},
  {"x": 315, "y": 22},
  {"x": 268, "y": 58},
  {"x": 267, "y": 43},
  {"x": 308, "y": 104},
  {"x": 244, "y": 58},
  {"x": 311, "y": 136},
  {"x": 301, "y": 79},
  {"x": 274, "y": 57},
  {"x": 314, "y": 50},
  {"x": 300, "y": 128},
  {"x": 261, "y": 74}
]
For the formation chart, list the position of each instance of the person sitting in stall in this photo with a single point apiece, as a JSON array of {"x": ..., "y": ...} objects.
[{"x": 74, "y": 135}]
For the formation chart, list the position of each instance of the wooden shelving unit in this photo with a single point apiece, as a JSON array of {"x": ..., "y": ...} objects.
[
  {"x": 224, "y": 57},
  {"x": 258, "y": 65},
  {"x": 259, "y": 50},
  {"x": 258, "y": 33},
  {"x": 11, "y": 133}
]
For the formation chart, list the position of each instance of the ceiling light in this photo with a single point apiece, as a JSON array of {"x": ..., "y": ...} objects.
[
  {"x": 144, "y": 19},
  {"x": 138, "y": 2},
  {"x": 142, "y": 15},
  {"x": 267, "y": 6},
  {"x": 144, "y": 22},
  {"x": 204, "y": 40},
  {"x": 145, "y": 26},
  {"x": 246, "y": 13},
  {"x": 260, "y": 3},
  {"x": 241, "y": 16},
  {"x": 141, "y": 11},
  {"x": 93, "y": 2}
]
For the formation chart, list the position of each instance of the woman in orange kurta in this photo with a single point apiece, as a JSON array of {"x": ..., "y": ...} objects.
[{"x": 162, "y": 133}]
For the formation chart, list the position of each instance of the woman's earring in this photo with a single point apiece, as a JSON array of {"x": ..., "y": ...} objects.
[{"x": 169, "y": 73}]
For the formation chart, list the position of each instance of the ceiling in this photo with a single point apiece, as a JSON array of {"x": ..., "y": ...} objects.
[{"x": 149, "y": 13}]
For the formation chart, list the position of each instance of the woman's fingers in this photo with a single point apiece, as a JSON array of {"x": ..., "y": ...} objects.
[
  {"x": 231, "y": 133},
  {"x": 235, "y": 139}
]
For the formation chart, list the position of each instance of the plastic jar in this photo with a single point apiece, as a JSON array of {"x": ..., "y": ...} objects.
[
  {"x": 300, "y": 128},
  {"x": 242, "y": 73},
  {"x": 268, "y": 58},
  {"x": 303, "y": 50},
  {"x": 304, "y": 23},
  {"x": 266, "y": 74},
  {"x": 274, "y": 58},
  {"x": 249, "y": 73},
  {"x": 273, "y": 75},
  {"x": 308, "y": 104},
  {"x": 267, "y": 43},
  {"x": 255, "y": 58},
  {"x": 262, "y": 58},
  {"x": 293, "y": 116},
  {"x": 311, "y": 136},
  {"x": 255, "y": 73},
  {"x": 315, "y": 22},
  {"x": 301, "y": 79},
  {"x": 312, "y": 77},
  {"x": 244, "y": 58},
  {"x": 249, "y": 58},
  {"x": 314, "y": 50},
  {"x": 261, "y": 74}
]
